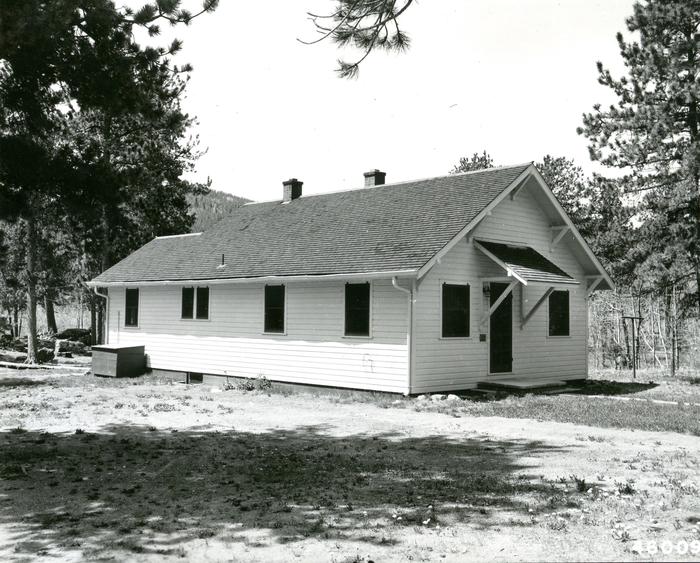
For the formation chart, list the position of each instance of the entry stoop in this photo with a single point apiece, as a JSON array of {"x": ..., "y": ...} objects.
[{"x": 519, "y": 384}]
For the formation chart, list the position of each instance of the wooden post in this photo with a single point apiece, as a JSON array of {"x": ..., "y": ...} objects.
[
  {"x": 634, "y": 354},
  {"x": 634, "y": 343}
]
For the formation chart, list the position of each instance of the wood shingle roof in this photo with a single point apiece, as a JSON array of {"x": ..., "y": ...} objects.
[{"x": 384, "y": 228}]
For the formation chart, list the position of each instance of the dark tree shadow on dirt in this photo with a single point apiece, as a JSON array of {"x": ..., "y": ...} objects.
[
  {"x": 132, "y": 489},
  {"x": 20, "y": 382}
]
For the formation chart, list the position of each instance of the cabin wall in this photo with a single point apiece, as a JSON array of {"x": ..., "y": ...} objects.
[
  {"x": 313, "y": 350},
  {"x": 442, "y": 364}
]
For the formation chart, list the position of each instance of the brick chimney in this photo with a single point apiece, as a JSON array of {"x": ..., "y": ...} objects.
[
  {"x": 291, "y": 190},
  {"x": 374, "y": 178}
]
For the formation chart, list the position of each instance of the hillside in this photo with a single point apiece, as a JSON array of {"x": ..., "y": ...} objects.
[{"x": 211, "y": 207}]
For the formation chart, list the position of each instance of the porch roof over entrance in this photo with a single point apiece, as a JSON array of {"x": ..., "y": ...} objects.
[{"x": 524, "y": 263}]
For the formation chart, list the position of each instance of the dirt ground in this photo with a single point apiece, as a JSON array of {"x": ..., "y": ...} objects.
[{"x": 146, "y": 470}]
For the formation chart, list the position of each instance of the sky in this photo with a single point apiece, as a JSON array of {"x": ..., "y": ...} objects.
[{"x": 511, "y": 77}]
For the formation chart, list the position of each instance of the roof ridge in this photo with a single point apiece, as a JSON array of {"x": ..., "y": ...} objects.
[
  {"x": 401, "y": 183},
  {"x": 529, "y": 163},
  {"x": 182, "y": 235}
]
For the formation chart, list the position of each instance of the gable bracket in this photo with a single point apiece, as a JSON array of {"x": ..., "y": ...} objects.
[
  {"x": 517, "y": 189},
  {"x": 525, "y": 318},
  {"x": 595, "y": 282},
  {"x": 498, "y": 301},
  {"x": 558, "y": 233}
]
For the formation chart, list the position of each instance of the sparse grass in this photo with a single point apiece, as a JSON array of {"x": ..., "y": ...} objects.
[
  {"x": 659, "y": 384},
  {"x": 604, "y": 413},
  {"x": 236, "y": 473},
  {"x": 163, "y": 407},
  {"x": 580, "y": 482},
  {"x": 248, "y": 384},
  {"x": 626, "y": 488}
]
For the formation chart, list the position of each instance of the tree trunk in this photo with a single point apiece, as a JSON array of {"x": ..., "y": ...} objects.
[
  {"x": 32, "y": 342},
  {"x": 625, "y": 333},
  {"x": 639, "y": 327},
  {"x": 14, "y": 321},
  {"x": 18, "y": 322},
  {"x": 93, "y": 321},
  {"x": 674, "y": 342},
  {"x": 50, "y": 315}
]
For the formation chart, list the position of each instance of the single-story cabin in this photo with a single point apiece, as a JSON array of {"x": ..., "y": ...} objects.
[{"x": 422, "y": 286}]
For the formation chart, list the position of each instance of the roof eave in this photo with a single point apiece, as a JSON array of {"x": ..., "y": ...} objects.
[
  {"x": 577, "y": 235},
  {"x": 410, "y": 273}
]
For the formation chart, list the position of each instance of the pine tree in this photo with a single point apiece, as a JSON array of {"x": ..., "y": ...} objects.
[
  {"x": 365, "y": 25},
  {"x": 65, "y": 58},
  {"x": 475, "y": 162},
  {"x": 652, "y": 131}
]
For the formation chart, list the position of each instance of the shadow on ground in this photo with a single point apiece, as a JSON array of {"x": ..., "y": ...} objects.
[
  {"x": 139, "y": 490},
  {"x": 20, "y": 382},
  {"x": 608, "y": 387}
]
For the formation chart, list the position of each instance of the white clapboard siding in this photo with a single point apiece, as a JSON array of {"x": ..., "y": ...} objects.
[
  {"x": 313, "y": 350},
  {"x": 458, "y": 363}
]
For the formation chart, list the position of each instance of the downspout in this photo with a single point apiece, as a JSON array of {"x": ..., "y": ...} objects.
[
  {"x": 106, "y": 298},
  {"x": 409, "y": 329}
]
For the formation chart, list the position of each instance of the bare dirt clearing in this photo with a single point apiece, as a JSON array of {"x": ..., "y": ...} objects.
[{"x": 141, "y": 469}]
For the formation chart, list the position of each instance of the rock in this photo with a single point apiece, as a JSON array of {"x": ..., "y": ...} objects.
[
  {"x": 13, "y": 357},
  {"x": 63, "y": 347},
  {"x": 437, "y": 397},
  {"x": 75, "y": 335},
  {"x": 422, "y": 398},
  {"x": 44, "y": 355},
  {"x": 46, "y": 342},
  {"x": 453, "y": 398}
]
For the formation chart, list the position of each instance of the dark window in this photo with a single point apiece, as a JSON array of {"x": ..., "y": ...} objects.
[
  {"x": 455, "y": 310},
  {"x": 187, "y": 302},
  {"x": 357, "y": 309},
  {"x": 559, "y": 313},
  {"x": 274, "y": 308},
  {"x": 202, "y": 302},
  {"x": 131, "y": 310}
]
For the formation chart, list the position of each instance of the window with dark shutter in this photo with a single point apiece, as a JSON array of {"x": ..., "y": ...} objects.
[
  {"x": 559, "y": 313},
  {"x": 357, "y": 309},
  {"x": 131, "y": 308},
  {"x": 187, "y": 302},
  {"x": 274, "y": 308},
  {"x": 202, "y": 302},
  {"x": 455, "y": 310}
]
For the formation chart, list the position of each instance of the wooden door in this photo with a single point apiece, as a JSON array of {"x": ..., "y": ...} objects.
[{"x": 501, "y": 331}]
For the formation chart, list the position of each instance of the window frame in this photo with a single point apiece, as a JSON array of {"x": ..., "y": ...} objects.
[
  {"x": 194, "y": 303},
  {"x": 549, "y": 317},
  {"x": 464, "y": 283},
  {"x": 284, "y": 310},
  {"x": 370, "y": 312},
  {"x": 138, "y": 308}
]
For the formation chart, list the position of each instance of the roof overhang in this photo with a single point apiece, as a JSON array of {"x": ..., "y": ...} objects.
[
  {"x": 524, "y": 264},
  {"x": 601, "y": 271},
  {"x": 260, "y": 279}
]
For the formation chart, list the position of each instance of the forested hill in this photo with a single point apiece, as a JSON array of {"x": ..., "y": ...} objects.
[{"x": 210, "y": 208}]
